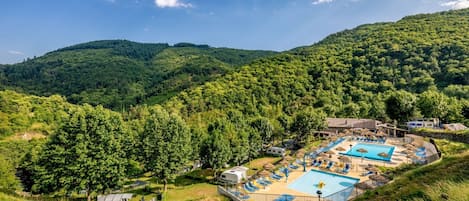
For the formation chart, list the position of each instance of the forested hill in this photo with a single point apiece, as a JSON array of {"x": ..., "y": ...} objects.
[
  {"x": 419, "y": 66},
  {"x": 119, "y": 73}
]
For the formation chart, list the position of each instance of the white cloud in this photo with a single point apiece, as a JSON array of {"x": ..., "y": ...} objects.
[
  {"x": 172, "y": 4},
  {"x": 15, "y": 52},
  {"x": 456, "y": 4},
  {"x": 316, "y": 2}
]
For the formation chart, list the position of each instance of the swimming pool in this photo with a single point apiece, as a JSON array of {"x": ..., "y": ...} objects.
[
  {"x": 373, "y": 151},
  {"x": 308, "y": 183}
]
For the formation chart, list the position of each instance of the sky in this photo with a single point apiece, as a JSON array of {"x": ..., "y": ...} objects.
[{"x": 31, "y": 28}]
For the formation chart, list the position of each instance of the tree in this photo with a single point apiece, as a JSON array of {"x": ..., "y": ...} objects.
[
  {"x": 166, "y": 145},
  {"x": 7, "y": 175},
  {"x": 264, "y": 127},
  {"x": 84, "y": 154},
  {"x": 217, "y": 151},
  {"x": 307, "y": 121},
  {"x": 400, "y": 105},
  {"x": 433, "y": 104}
]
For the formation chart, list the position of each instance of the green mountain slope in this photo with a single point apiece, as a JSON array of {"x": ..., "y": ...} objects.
[
  {"x": 118, "y": 73},
  {"x": 348, "y": 74}
]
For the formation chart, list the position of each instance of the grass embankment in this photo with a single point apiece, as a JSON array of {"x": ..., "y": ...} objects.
[
  {"x": 6, "y": 197},
  {"x": 257, "y": 164},
  {"x": 447, "y": 179},
  {"x": 439, "y": 131}
]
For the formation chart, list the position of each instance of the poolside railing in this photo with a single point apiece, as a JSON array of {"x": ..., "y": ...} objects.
[
  {"x": 342, "y": 195},
  {"x": 272, "y": 197}
]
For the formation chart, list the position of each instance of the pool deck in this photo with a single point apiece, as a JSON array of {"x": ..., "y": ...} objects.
[{"x": 280, "y": 187}]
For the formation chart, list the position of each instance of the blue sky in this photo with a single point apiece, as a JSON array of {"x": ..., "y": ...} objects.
[{"x": 33, "y": 27}]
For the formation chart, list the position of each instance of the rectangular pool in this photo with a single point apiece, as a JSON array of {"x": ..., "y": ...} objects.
[
  {"x": 308, "y": 183},
  {"x": 373, "y": 151}
]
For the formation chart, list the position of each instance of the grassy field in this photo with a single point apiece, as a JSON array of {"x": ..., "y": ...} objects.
[
  {"x": 446, "y": 179},
  {"x": 201, "y": 191}
]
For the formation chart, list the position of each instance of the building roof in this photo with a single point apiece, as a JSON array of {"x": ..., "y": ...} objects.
[
  {"x": 352, "y": 123},
  {"x": 115, "y": 197},
  {"x": 237, "y": 169}
]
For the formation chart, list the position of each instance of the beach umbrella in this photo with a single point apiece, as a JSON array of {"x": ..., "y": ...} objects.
[
  {"x": 284, "y": 162},
  {"x": 300, "y": 153},
  {"x": 409, "y": 146},
  {"x": 380, "y": 134},
  {"x": 288, "y": 158},
  {"x": 407, "y": 151},
  {"x": 264, "y": 173},
  {"x": 324, "y": 144},
  {"x": 372, "y": 169},
  {"x": 383, "y": 155},
  {"x": 322, "y": 154},
  {"x": 340, "y": 149},
  {"x": 362, "y": 151},
  {"x": 345, "y": 159},
  {"x": 330, "y": 152},
  {"x": 363, "y": 186},
  {"x": 417, "y": 142},
  {"x": 379, "y": 178},
  {"x": 313, "y": 149},
  {"x": 268, "y": 166}
]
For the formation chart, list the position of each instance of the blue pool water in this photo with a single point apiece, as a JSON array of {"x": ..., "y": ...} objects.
[
  {"x": 373, "y": 151},
  {"x": 308, "y": 183}
]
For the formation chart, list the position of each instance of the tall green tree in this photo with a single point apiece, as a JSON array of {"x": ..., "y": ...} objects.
[
  {"x": 166, "y": 145},
  {"x": 307, "y": 121},
  {"x": 400, "y": 105},
  {"x": 84, "y": 154},
  {"x": 263, "y": 126},
  {"x": 217, "y": 150},
  {"x": 433, "y": 104}
]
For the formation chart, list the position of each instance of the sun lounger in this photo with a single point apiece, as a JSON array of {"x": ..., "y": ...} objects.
[
  {"x": 293, "y": 166},
  {"x": 330, "y": 165},
  {"x": 314, "y": 162},
  {"x": 318, "y": 163},
  {"x": 248, "y": 188},
  {"x": 276, "y": 176},
  {"x": 250, "y": 184},
  {"x": 367, "y": 173},
  {"x": 346, "y": 168},
  {"x": 266, "y": 181}
]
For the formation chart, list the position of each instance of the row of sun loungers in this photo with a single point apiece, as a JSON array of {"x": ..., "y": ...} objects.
[
  {"x": 367, "y": 139},
  {"x": 330, "y": 165},
  {"x": 240, "y": 195}
]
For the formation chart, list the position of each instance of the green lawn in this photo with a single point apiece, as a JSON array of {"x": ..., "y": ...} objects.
[{"x": 201, "y": 191}]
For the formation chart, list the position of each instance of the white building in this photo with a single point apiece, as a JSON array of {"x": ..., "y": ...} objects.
[
  {"x": 234, "y": 175},
  {"x": 423, "y": 123}
]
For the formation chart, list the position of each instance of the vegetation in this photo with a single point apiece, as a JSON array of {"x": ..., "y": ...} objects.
[
  {"x": 119, "y": 73},
  {"x": 416, "y": 67}
]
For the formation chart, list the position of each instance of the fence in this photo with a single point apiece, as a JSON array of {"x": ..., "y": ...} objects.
[
  {"x": 272, "y": 197},
  {"x": 342, "y": 195}
]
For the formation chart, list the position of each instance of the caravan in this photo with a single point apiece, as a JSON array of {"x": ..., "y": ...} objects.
[{"x": 276, "y": 151}]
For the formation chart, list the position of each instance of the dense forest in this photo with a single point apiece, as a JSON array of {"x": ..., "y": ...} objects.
[
  {"x": 416, "y": 67},
  {"x": 119, "y": 73}
]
